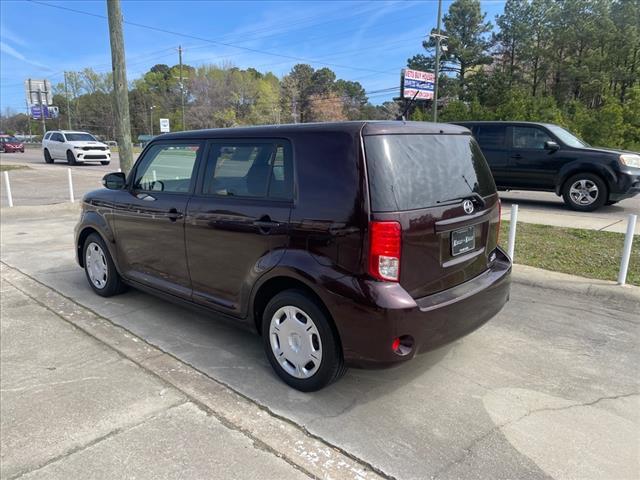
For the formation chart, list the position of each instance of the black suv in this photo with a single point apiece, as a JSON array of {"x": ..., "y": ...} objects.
[
  {"x": 343, "y": 244},
  {"x": 542, "y": 156}
]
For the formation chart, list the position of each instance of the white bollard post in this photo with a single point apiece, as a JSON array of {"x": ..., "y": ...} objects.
[
  {"x": 626, "y": 250},
  {"x": 512, "y": 231},
  {"x": 70, "y": 185},
  {"x": 7, "y": 185}
]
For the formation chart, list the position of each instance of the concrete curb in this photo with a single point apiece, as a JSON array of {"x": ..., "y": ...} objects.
[
  {"x": 625, "y": 297},
  {"x": 281, "y": 437}
]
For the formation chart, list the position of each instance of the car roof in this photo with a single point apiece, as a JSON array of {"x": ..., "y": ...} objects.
[
  {"x": 378, "y": 127},
  {"x": 503, "y": 122}
]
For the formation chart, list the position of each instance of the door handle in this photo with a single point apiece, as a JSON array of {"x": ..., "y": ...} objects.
[
  {"x": 516, "y": 156},
  {"x": 173, "y": 215},
  {"x": 265, "y": 224}
]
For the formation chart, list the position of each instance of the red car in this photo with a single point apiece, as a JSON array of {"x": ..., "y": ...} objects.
[{"x": 10, "y": 144}]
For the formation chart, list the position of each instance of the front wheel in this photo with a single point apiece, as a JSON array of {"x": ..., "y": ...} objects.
[
  {"x": 300, "y": 343},
  {"x": 584, "y": 192},
  {"x": 71, "y": 159},
  {"x": 99, "y": 267}
]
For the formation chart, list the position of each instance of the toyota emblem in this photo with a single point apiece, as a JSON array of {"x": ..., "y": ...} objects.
[{"x": 468, "y": 206}]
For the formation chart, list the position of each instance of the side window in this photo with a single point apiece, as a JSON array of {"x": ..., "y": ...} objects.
[
  {"x": 491, "y": 135},
  {"x": 56, "y": 137},
  {"x": 167, "y": 168},
  {"x": 47, "y": 136},
  {"x": 248, "y": 170},
  {"x": 530, "y": 137}
]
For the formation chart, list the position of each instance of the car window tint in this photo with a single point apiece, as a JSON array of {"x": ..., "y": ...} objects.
[
  {"x": 491, "y": 135},
  {"x": 530, "y": 137},
  {"x": 248, "y": 170},
  {"x": 166, "y": 168}
]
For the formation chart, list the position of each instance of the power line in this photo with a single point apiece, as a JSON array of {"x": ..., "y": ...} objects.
[{"x": 213, "y": 42}]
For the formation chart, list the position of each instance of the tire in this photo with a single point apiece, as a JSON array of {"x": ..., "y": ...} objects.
[
  {"x": 71, "y": 159},
  {"x": 584, "y": 192},
  {"x": 99, "y": 267},
  {"x": 299, "y": 317},
  {"x": 105, "y": 162},
  {"x": 47, "y": 157}
]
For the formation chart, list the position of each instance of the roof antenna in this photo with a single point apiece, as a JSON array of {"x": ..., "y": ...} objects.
[{"x": 406, "y": 108}]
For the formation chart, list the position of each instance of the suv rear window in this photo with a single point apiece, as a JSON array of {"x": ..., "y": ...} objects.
[{"x": 408, "y": 172}]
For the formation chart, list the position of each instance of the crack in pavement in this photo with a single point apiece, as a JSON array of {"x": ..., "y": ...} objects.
[{"x": 468, "y": 450}]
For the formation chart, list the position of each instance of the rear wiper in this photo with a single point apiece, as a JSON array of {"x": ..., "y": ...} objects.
[{"x": 472, "y": 195}]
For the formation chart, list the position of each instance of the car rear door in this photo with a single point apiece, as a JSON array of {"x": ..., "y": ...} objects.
[
  {"x": 492, "y": 139},
  {"x": 56, "y": 146},
  {"x": 149, "y": 217},
  {"x": 238, "y": 223},
  {"x": 440, "y": 190}
]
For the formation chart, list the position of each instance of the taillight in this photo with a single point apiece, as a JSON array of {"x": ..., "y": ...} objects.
[
  {"x": 384, "y": 250},
  {"x": 499, "y": 221}
]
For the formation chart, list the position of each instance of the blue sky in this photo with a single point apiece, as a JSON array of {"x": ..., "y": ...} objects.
[{"x": 364, "y": 41}]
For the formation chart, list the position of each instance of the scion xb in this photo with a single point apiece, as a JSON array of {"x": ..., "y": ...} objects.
[{"x": 343, "y": 244}]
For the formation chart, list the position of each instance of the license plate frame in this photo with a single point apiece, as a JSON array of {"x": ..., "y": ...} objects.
[{"x": 463, "y": 240}]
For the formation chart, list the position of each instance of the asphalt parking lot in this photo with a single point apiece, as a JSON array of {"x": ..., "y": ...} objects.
[
  {"x": 548, "y": 388},
  {"x": 47, "y": 184}
]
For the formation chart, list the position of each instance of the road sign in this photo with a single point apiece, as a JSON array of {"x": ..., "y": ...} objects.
[
  {"x": 164, "y": 125},
  {"x": 417, "y": 84},
  {"x": 37, "y": 91}
]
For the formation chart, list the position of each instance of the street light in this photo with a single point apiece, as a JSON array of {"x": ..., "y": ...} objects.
[{"x": 151, "y": 117}]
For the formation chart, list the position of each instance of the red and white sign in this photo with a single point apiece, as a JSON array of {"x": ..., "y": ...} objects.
[{"x": 417, "y": 84}]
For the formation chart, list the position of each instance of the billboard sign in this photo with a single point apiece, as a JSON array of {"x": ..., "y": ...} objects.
[
  {"x": 49, "y": 112},
  {"x": 164, "y": 125},
  {"x": 38, "y": 90},
  {"x": 417, "y": 84}
]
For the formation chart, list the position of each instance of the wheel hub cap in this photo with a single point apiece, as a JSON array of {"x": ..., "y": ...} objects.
[
  {"x": 96, "y": 265},
  {"x": 295, "y": 342},
  {"x": 584, "y": 192}
]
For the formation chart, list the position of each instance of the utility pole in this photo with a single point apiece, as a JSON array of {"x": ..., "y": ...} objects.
[
  {"x": 120, "y": 87},
  {"x": 66, "y": 94},
  {"x": 44, "y": 122},
  {"x": 181, "y": 87},
  {"x": 29, "y": 120},
  {"x": 437, "y": 72},
  {"x": 151, "y": 118}
]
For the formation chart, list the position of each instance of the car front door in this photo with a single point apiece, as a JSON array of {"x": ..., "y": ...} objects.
[
  {"x": 149, "y": 217},
  {"x": 532, "y": 165},
  {"x": 237, "y": 224},
  {"x": 493, "y": 143}
]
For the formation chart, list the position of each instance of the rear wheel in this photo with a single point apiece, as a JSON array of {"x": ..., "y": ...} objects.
[
  {"x": 300, "y": 343},
  {"x": 584, "y": 192},
  {"x": 47, "y": 157},
  {"x": 71, "y": 159},
  {"x": 99, "y": 267}
]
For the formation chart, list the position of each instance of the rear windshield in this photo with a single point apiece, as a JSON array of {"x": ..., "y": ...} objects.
[
  {"x": 79, "y": 137},
  {"x": 408, "y": 172}
]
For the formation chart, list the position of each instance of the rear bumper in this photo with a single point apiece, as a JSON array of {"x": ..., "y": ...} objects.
[{"x": 428, "y": 323}]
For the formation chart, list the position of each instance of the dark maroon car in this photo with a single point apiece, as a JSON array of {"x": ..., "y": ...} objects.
[
  {"x": 343, "y": 244},
  {"x": 10, "y": 144}
]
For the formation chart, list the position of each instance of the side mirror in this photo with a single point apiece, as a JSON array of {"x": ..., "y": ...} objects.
[
  {"x": 552, "y": 146},
  {"x": 114, "y": 181}
]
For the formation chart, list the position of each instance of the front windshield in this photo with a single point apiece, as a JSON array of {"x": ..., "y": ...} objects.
[
  {"x": 567, "y": 137},
  {"x": 10, "y": 140},
  {"x": 79, "y": 137}
]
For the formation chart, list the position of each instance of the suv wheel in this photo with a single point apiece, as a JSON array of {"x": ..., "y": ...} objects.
[
  {"x": 99, "y": 267},
  {"x": 300, "y": 342},
  {"x": 47, "y": 157},
  {"x": 584, "y": 192},
  {"x": 71, "y": 159}
]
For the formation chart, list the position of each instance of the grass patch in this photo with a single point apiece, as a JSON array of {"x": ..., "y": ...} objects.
[
  {"x": 587, "y": 253},
  {"x": 6, "y": 168}
]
